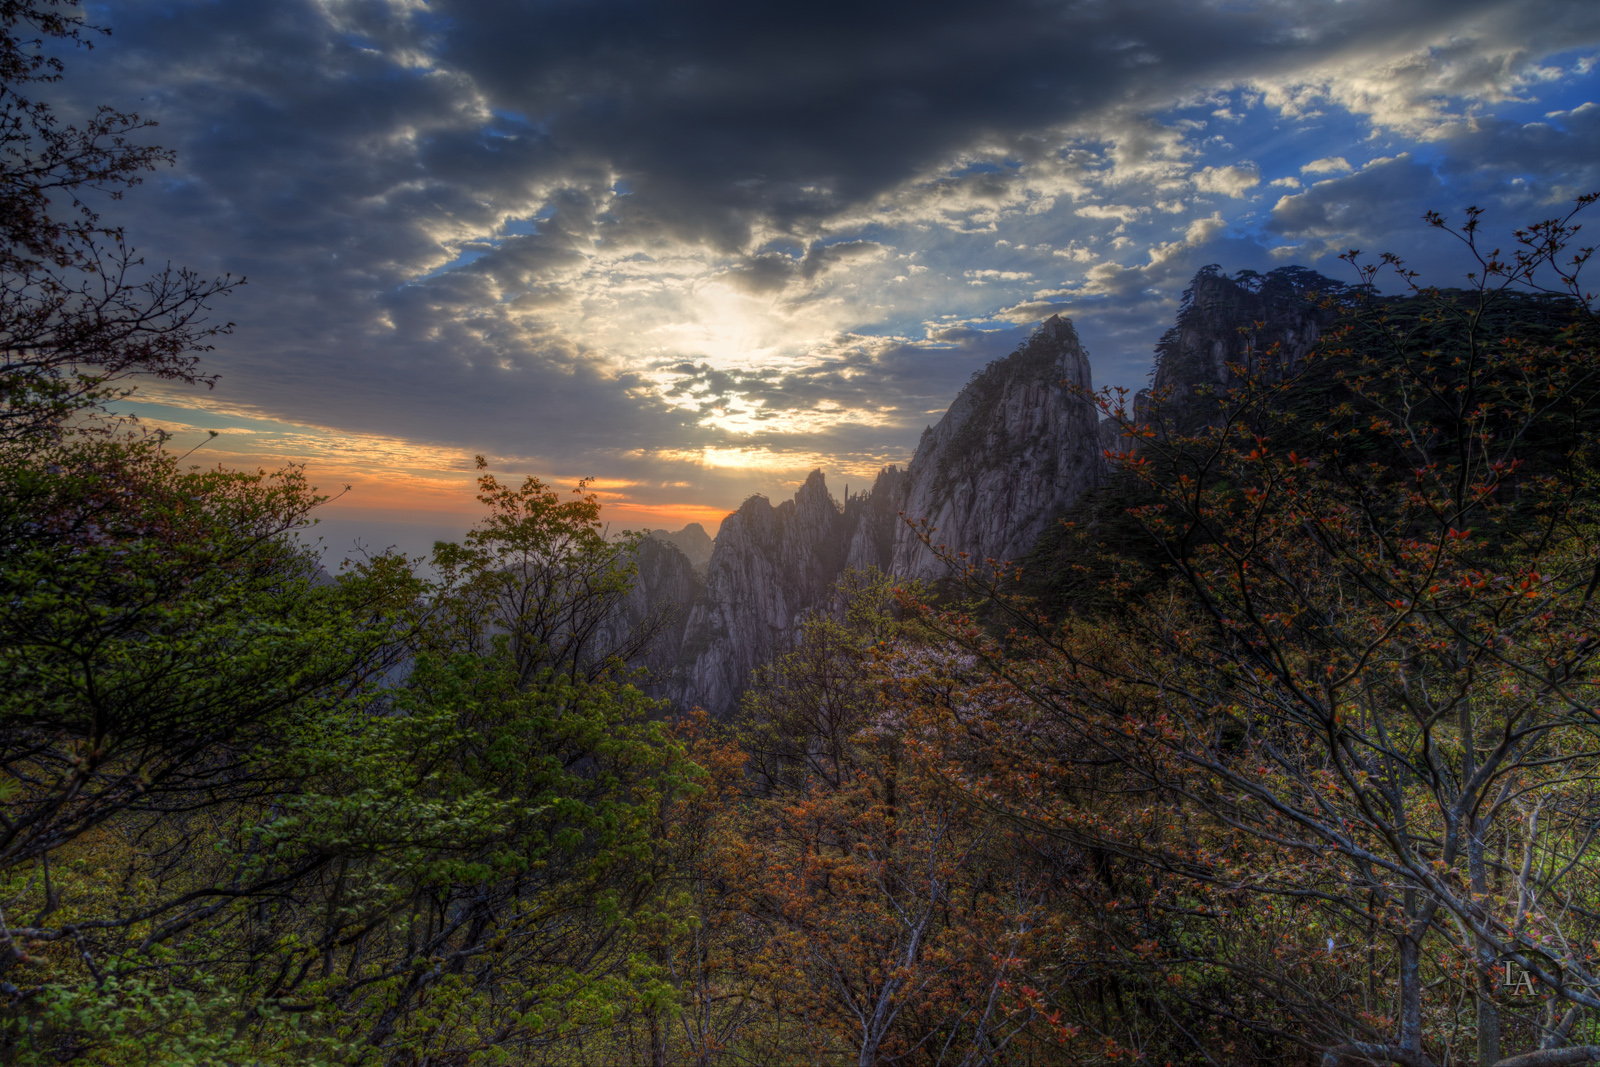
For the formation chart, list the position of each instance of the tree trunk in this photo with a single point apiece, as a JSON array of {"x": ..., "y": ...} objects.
[
  {"x": 1488, "y": 1010},
  {"x": 1411, "y": 978},
  {"x": 658, "y": 1041}
]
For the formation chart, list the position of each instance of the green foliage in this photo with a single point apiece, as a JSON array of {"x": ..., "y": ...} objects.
[
  {"x": 450, "y": 862},
  {"x": 803, "y": 713},
  {"x": 1308, "y": 755},
  {"x": 251, "y": 812},
  {"x": 128, "y": 1022},
  {"x": 159, "y": 624},
  {"x": 541, "y": 571}
]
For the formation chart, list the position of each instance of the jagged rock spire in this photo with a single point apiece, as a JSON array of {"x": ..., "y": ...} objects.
[{"x": 1020, "y": 444}]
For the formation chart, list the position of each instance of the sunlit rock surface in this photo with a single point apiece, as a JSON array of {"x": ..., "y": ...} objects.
[
  {"x": 1020, "y": 443},
  {"x": 769, "y": 567}
]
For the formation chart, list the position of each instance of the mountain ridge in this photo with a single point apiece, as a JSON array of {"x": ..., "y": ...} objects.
[{"x": 1019, "y": 445}]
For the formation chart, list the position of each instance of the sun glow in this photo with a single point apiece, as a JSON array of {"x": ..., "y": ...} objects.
[{"x": 726, "y": 328}]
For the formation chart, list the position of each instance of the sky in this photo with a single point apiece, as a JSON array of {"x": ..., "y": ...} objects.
[{"x": 694, "y": 250}]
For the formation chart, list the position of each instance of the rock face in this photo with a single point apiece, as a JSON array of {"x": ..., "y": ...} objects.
[
  {"x": 770, "y": 566},
  {"x": 1020, "y": 443},
  {"x": 667, "y": 589},
  {"x": 873, "y": 519},
  {"x": 663, "y": 593},
  {"x": 1230, "y": 319},
  {"x": 1018, "y": 446}
]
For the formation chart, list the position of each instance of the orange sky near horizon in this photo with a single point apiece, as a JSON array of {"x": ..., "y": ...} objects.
[{"x": 388, "y": 479}]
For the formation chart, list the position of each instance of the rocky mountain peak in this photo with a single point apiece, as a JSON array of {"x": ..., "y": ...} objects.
[
  {"x": 813, "y": 501},
  {"x": 1058, "y": 329},
  {"x": 769, "y": 567},
  {"x": 1019, "y": 444},
  {"x": 692, "y": 541},
  {"x": 874, "y": 520},
  {"x": 1280, "y": 323}
]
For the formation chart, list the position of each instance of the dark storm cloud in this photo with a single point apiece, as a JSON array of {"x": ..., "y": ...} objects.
[
  {"x": 1560, "y": 148},
  {"x": 771, "y": 272},
  {"x": 721, "y": 112},
  {"x": 325, "y": 170},
  {"x": 1519, "y": 172}
]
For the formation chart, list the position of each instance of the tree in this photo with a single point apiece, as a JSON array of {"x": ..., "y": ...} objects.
[
  {"x": 890, "y": 915},
  {"x": 541, "y": 572},
  {"x": 162, "y": 640},
  {"x": 217, "y": 791},
  {"x": 1361, "y": 696},
  {"x": 158, "y": 626},
  {"x": 75, "y": 316},
  {"x": 700, "y": 999},
  {"x": 250, "y": 810}
]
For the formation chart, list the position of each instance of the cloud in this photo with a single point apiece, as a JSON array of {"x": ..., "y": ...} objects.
[
  {"x": 1374, "y": 203},
  {"x": 1328, "y": 165},
  {"x": 1113, "y": 280},
  {"x": 1173, "y": 253},
  {"x": 768, "y": 272},
  {"x": 1431, "y": 82},
  {"x": 981, "y": 276},
  {"x": 1554, "y": 158},
  {"x": 1232, "y": 181},
  {"x": 1124, "y": 212}
]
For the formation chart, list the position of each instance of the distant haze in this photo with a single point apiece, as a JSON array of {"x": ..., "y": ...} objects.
[{"x": 692, "y": 541}]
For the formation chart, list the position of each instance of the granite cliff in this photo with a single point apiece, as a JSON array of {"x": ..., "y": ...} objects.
[
  {"x": 665, "y": 587},
  {"x": 770, "y": 565},
  {"x": 692, "y": 541},
  {"x": 1020, "y": 443}
]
